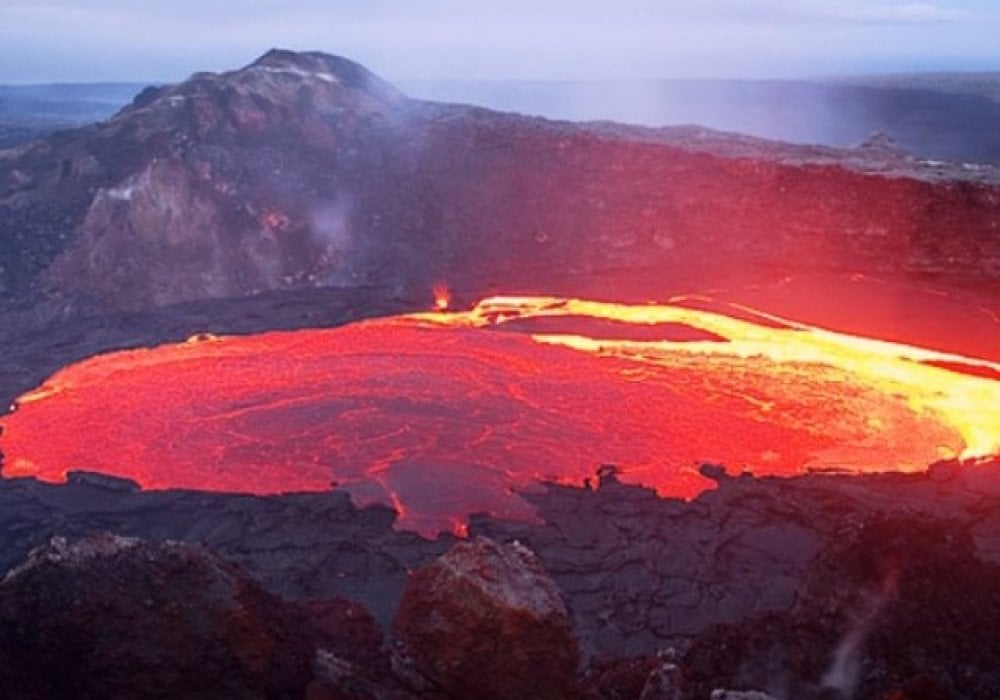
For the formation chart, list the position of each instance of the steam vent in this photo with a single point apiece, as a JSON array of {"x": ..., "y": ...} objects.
[{"x": 339, "y": 393}]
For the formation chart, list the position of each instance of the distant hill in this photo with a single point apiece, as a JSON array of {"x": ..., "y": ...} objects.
[
  {"x": 946, "y": 116},
  {"x": 984, "y": 84},
  {"x": 950, "y": 117},
  {"x": 28, "y": 112}
]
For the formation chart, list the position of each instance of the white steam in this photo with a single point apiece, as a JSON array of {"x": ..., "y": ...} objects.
[
  {"x": 331, "y": 231},
  {"x": 845, "y": 668}
]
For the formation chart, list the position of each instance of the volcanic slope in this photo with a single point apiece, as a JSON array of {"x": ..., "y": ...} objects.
[
  {"x": 304, "y": 170},
  {"x": 441, "y": 415}
]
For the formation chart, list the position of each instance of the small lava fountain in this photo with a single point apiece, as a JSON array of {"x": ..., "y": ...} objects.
[{"x": 442, "y": 297}]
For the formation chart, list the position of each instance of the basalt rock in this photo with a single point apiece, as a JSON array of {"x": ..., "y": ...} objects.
[
  {"x": 638, "y": 573},
  {"x": 115, "y": 617},
  {"x": 486, "y": 621},
  {"x": 895, "y": 607},
  {"x": 619, "y": 678}
]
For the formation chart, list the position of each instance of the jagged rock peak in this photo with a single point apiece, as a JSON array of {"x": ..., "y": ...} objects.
[
  {"x": 315, "y": 68},
  {"x": 277, "y": 76},
  {"x": 319, "y": 66}
]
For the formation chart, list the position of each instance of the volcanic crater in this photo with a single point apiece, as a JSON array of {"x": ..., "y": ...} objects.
[{"x": 328, "y": 330}]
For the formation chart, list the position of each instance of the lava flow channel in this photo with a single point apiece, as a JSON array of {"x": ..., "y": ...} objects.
[{"x": 445, "y": 414}]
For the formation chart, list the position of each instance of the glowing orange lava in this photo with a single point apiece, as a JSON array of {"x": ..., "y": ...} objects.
[
  {"x": 444, "y": 414},
  {"x": 442, "y": 297}
]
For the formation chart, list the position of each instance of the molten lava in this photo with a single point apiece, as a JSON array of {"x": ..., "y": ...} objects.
[
  {"x": 442, "y": 297},
  {"x": 444, "y": 414}
]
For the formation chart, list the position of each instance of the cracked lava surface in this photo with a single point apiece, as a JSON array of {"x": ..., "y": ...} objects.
[{"x": 444, "y": 414}]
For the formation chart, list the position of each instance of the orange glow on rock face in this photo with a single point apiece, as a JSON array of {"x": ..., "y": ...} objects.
[{"x": 444, "y": 414}]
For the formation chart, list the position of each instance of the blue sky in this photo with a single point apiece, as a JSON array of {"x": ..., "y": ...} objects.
[{"x": 164, "y": 40}]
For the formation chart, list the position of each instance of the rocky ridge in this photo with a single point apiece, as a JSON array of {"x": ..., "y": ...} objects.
[
  {"x": 109, "y": 616},
  {"x": 305, "y": 170}
]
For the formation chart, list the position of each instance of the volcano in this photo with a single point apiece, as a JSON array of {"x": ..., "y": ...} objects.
[
  {"x": 306, "y": 171},
  {"x": 328, "y": 331}
]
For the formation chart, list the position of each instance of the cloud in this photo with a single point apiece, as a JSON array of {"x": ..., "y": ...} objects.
[
  {"x": 192, "y": 13},
  {"x": 907, "y": 13},
  {"x": 42, "y": 40}
]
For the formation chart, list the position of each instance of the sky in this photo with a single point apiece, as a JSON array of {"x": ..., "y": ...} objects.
[{"x": 167, "y": 40}]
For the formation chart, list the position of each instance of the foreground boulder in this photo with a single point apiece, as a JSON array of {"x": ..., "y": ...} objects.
[
  {"x": 486, "y": 621},
  {"x": 116, "y": 617}
]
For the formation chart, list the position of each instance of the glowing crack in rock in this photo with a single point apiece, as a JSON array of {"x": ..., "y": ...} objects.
[{"x": 444, "y": 414}]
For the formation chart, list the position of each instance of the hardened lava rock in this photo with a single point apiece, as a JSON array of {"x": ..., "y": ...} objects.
[
  {"x": 486, "y": 621},
  {"x": 898, "y": 607},
  {"x": 118, "y": 617}
]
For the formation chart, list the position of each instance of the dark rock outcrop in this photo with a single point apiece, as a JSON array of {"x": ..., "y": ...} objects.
[
  {"x": 486, "y": 621},
  {"x": 893, "y": 606},
  {"x": 304, "y": 170},
  {"x": 110, "y": 617},
  {"x": 640, "y": 573},
  {"x": 756, "y": 570}
]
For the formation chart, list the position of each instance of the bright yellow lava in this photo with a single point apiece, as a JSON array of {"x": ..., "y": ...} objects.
[{"x": 968, "y": 403}]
